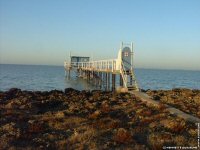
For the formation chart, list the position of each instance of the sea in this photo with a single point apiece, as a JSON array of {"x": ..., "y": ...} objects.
[{"x": 46, "y": 78}]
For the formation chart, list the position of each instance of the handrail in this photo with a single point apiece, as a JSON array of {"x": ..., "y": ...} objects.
[
  {"x": 103, "y": 65},
  {"x": 124, "y": 75},
  {"x": 135, "y": 82}
]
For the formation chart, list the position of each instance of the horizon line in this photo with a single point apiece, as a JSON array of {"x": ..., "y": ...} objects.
[{"x": 54, "y": 65}]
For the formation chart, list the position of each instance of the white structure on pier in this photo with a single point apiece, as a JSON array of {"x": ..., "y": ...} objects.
[{"x": 101, "y": 70}]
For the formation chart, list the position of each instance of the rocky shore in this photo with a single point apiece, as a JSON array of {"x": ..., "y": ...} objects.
[{"x": 95, "y": 120}]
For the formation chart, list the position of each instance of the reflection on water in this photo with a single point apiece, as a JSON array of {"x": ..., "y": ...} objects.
[{"x": 75, "y": 82}]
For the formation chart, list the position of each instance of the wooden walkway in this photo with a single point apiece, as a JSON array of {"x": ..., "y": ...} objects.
[{"x": 145, "y": 98}]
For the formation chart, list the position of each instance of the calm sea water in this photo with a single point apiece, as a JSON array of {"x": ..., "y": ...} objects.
[{"x": 45, "y": 78}]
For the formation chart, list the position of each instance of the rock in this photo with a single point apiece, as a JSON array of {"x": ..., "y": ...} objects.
[
  {"x": 197, "y": 100},
  {"x": 176, "y": 90},
  {"x": 96, "y": 91},
  {"x": 143, "y": 90},
  {"x": 156, "y": 97},
  {"x": 89, "y": 105},
  {"x": 60, "y": 115},
  {"x": 193, "y": 132},
  {"x": 122, "y": 136},
  {"x": 70, "y": 90},
  {"x": 9, "y": 128},
  {"x": 23, "y": 107},
  {"x": 95, "y": 115},
  {"x": 153, "y": 125},
  {"x": 56, "y": 92},
  {"x": 157, "y": 140},
  {"x": 9, "y": 105},
  {"x": 180, "y": 140},
  {"x": 121, "y": 90},
  {"x": 31, "y": 121},
  {"x": 12, "y": 93},
  {"x": 175, "y": 126}
]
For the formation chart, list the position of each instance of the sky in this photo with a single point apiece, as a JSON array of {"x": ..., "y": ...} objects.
[{"x": 165, "y": 33}]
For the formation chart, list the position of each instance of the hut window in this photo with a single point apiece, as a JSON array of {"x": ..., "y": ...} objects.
[{"x": 125, "y": 53}]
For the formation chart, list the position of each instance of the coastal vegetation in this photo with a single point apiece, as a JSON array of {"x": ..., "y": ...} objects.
[
  {"x": 184, "y": 99},
  {"x": 93, "y": 120}
]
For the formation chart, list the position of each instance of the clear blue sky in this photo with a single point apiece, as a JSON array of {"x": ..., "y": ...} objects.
[{"x": 166, "y": 33}]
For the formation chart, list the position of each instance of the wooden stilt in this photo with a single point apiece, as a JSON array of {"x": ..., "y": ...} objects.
[
  {"x": 89, "y": 76},
  {"x": 121, "y": 80},
  {"x": 69, "y": 73},
  {"x": 108, "y": 81},
  {"x": 101, "y": 76},
  {"x": 113, "y": 82}
]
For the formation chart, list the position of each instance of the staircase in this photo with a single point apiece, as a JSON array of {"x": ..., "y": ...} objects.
[{"x": 129, "y": 80}]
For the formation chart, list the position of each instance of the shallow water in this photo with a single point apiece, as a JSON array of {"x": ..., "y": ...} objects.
[{"x": 31, "y": 77}]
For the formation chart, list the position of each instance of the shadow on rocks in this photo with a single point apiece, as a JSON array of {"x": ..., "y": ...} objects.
[
  {"x": 53, "y": 105},
  {"x": 71, "y": 90},
  {"x": 12, "y": 93}
]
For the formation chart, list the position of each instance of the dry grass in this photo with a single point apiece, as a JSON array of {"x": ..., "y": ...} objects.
[
  {"x": 36, "y": 128},
  {"x": 94, "y": 120},
  {"x": 158, "y": 140},
  {"x": 173, "y": 125},
  {"x": 184, "y": 99},
  {"x": 95, "y": 115},
  {"x": 122, "y": 136},
  {"x": 105, "y": 108},
  {"x": 64, "y": 123},
  {"x": 85, "y": 136},
  {"x": 106, "y": 124}
]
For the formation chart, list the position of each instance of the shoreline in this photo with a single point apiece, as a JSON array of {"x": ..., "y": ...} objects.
[
  {"x": 90, "y": 90},
  {"x": 73, "y": 119}
]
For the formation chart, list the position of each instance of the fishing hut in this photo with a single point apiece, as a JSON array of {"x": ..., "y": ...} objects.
[{"x": 103, "y": 73}]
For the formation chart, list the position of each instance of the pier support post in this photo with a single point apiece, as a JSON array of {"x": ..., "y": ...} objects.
[
  {"x": 99, "y": 75},
  {"x": 121, "y": 80},
  {"x": 108, "y": 81},
  {"x": 89, "y": 76},
  {"x": 101, "y": 80},
  {"x": 94, "y": 78},
  {"x": 69, "y": 73},
  {"x": 84, "y": 75},
  {"x": 81, "y": 73},
  {"x": 113, "y": 82}
]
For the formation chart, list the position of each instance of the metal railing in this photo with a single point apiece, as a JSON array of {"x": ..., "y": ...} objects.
[
  {"x": 135, "y": 82},
  {"x": 100, "y": 65},
  {"x": 124, "y": 75}
]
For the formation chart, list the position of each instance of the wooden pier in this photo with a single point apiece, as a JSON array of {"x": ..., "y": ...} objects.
[{"x": 103, "y": 73}]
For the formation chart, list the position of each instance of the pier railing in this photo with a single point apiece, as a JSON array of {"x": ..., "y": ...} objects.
[{"x": 100, "y": 65}]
